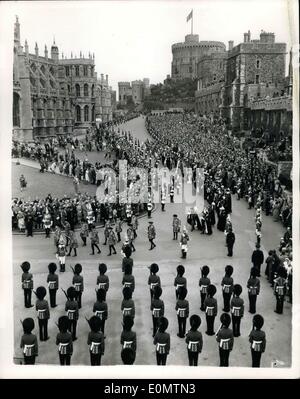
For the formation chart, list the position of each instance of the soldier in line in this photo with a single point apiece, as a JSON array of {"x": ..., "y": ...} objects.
[
  {"x": 182, "y": 309},
  {"x": 73, "y": 243},
  {"x": 128, "y": 279},
  {"x": 253, "y": 286},
  {"x": 111, "y": 241},
  {"x": 225, "y": 340},
  {"x": 128, "y": 337},
  {"x": 52, "y": 280},
  {"x": 237, "y": 309},
  {"x": 127, "y": 306},
  {"x": 127, "y": 260},
  {"x": 157, "y": 308},
  {"x": 128, "y": 356},
  {"x": 179, "y": 281},
  {"x": 227, "y": 287},
  {"x": 162, "y": 342},
  {"x": 257, "y": 339},
  {"x": 194, "y": 340},
  {"x": 176, "y": 226},
  {"x": 78, "y": 283},
  {"x": 102, "y": 278},
  {"x": 211, "y": 309},
  {"x": 257, "y": 258},
  {"x": 230, "y": 239},
  {"x": 47, "y": 223},
  {"x": 153, "y": 280},
  {"x": 64, "y": 342},
  {"x": 151, "y": 235},
  {"x": 27, "y": 284},
  {"x": 94, "y": 240},
  {"x": 95, "y": 341},
  {"x": 280, "y": 289},
  {"x": 29, "y": 342},
  {"x": 100, "y": 308},
  {"x": 71, "y": 308},
  {"x": 149, "y": 209},
  {"x": 43, "y": 313},
  {"x": 204, "y": 282}
]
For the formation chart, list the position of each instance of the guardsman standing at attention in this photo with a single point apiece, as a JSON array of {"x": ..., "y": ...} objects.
[
  {"x": 135, "y": 225},
  {"x": 43, "y": 312},
  {"x": 230, "y": 240},
  {"x": 61, "y": 254},
  {"x": 118, "y": 228},
  {"x": 149, "y": 208},
  {"x": 27, "y": 284},
  {"x": 257, "y": 339},
  {"x": 128, "y": 279},
  {"x": 78, "y": 283},
  {"x": 52, "y": 281},
  {"x": 204, "y": 282},
  {"x": 237, "y": 309},
  {"x": 211, "y": 309},
  {"x": 151, "y": 235},
  {"x": 29, "y": 342},
  {"x": 102, "y": 279},
  {"x": 179, "y": 281},
  {"x": 253, "y": 286},
  {"x": 162, "y": 342},
  {"x": 280, "y": 289},
  {"x": 64, "y": 342},
  {"x": 157, "y": 308},
  {"x": 71, "y": 308},
  {"x": 153, "y": 280},
  {"x": 176, "y": 226},
  {"x": 257, "y": 259},
  {"x": 95, "y": 341},
  {"x": 225, "y": 340},
  {"x": 127, "y": 306},
  {"x": 182, "y": 309},
  {"x": 227, "y": 287},
  {"x": 100, "y": 308},
  {"x": 128, "y": 337},
  {"x": 194, "y": 340}
]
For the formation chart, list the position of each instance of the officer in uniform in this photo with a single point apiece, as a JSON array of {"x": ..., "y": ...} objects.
[
  {"x": 162, "y": 342},
  {"x": 100, "y": 308},
  {"x": 128, "y": 278},
  {"x": 95, "y": 341},
  {"x": 237, "y": 309},
  {"x": 71, "y": 308},
  {"x": 257, "y": 339},
  {"x": 227, "y": 287},
  {"x": 204, "y": 282},
  {"x": 257, "y": 258},
  {"x": 225, "y": 340},
  {"x": 230, "y": 239},
  {"x": 176, "y": 226},
  {"x": 128, "y": 337},
  {"x": 111, "y": 241},
  {"x": 94, "y": 240},
  {"x": 127, "y": 306},
  {"x": 183, "y": 243},
  {"x": 43, "y": 312},
  {"x": 84, "y": 233},
  {"x": 253, "y": 286},
  {"x": 61, "y": 254},
  {"x": 47, "y": 223},
  {"x": 52, "y": 281},
  {"x": 179, "y": 281},
  {"x": 153, "y": 280},
  {"x": 27, "y": 284},
  {"x": 78, "y": 283},
  {"x": 102, "y": 279},
  {"x": 182, "y": 309},
  {"x": 211, "y": 309},
  {"x": 280, "y": 289},
  {"x": 118, "y": 228},
  {"x": 130, "y": 235},
  {"x": 127, "y": 260},
  {"x": 194, "y": 340},
  {"x": 151, "y": 235},
  {"x": 106, "y": 231},
  {"x": 64, "y": 341},
  {"x": 29, "y": 343},
  {"x": 157, "y": 308}
]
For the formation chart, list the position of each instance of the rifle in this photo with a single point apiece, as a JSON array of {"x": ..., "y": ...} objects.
[
  {"x": 21, "y": 322},
  {"x": 65, "y": 293},
  {"x": 72, "y": 269},
  {"x": 221, "y": 325},
  {"x": 34, "y": 293}
]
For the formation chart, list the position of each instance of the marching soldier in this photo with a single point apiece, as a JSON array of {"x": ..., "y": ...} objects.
[
  {"x": 102, "y": 279},
  {"x": 111, "y": 241},
  {"x": 182, "y": 309},
  {"x": 71, "y": 308},
  {"x": 84, "y": 232},
  {"x": 47, "y": 223},
  {"x": 100, "y": 308},
  {"x": 194, "y": 340},
  {"x": 280, "y": 289},
  {"x": 43, "y": 312},
  {"x": 27, "y": 284},
  {"x": 78, "y": 283},
  {"x": 130, "y": 235},
  {"x": 151, "y": 235},
  {"x": 227, "y": 287},
  {"x": 153, "y": 280},
  {"x": 64, "y": 342},
  {"x": 162, "y": 342},
  {"x": 183, "y": 243},
  {"x": 176, "y": 226},
  {"x": 94, "y": 240},
  {"x": 253, "y": 286},
  {"x": 230, "y": 239},
  {"x": 118, "y": 228},
  {"x": 157, "y": 308},
  {"x": 135, "y": 225},
  {"x": 211, "y": 309},
  {"x": 257, "y": 339},
  {"x": 52, "y": 281},
  {"x": 128, "y": 278},
  {"x": 237, "y": 309},
  {"x": 95, "y": 341},
  {"x": 128, "y": 337},
  {"x": 73, "y": 243},
  {"x": 29, "y": 342},
  {"x": 149, "y": 208},
  {"x": 225, "y": 339},
  {"x": 204, "y": 282},
  {"x": 179, "y": 281},
  {"x": 127, "y": 306},
  {"x": 61, "y": 254}
]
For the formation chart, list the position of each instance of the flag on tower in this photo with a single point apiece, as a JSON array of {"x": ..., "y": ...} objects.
[{"x": 189, "y": 16}]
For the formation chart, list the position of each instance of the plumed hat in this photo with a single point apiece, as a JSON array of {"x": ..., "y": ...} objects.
[
  {"x": 211, "y": 290},
  {"x": 229, "y": 270},
  {"x": 52, "y": 267},
  {"x": 225, "y": 319},
  {"x": 28, "y": 325},
  {"x": 25, "y": 266},
  {"x": 41, "y": 292}
]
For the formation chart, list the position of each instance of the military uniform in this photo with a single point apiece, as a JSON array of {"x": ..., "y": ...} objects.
[
  {"x": 111, "y": 241},
  {"x": 151, "y": 235},
  {"x": 253, "y": 286},
  {"x": 128, "y": 308},
  {"x": 158, "y": 310},
  {"x": 84, "y": 233},
  {"x": 204, "y": 282},
  {"x": 153, "y": 281},
  {"x": 52, "y": 280},
  {"x": 43, "y": 315},
  {"x": 130, "y": 235},
  {"x": 279, "y": 292},
  {"x": 257, "y": 339},
  {"x": 118, "y": 229},
  {"x": 100, "y": 310},
  {"x": 61, "y": 256},
  {"x": 225, "y": 340},
  {"x": 79, "y": 287},
  {"x": 103, "y": 282},
  {"x": 211, "y": 310},
  {"x": 194, "y": 342},
  {"x": 128, "y": 340},
  {"x": 162, "y": 343},
  {"x": 227, "y": 287},
  {"x": 128, "y": 281},
  {"x": 179, "y": 281},
  {"x": 47, "y": 224},
  {"x": 65, "y": 347},
  {"x": 29, "y": 343},
  {"x": 182, "y": 309},
  {"x": 97, "y": 346},
  {"x": 176, "y": 227},
  {"x": 237, "y": 312},
  {"x": 94, "y": 241},
  {"x": 27, "y": 285},
  {"x": 71, "y": 308}
]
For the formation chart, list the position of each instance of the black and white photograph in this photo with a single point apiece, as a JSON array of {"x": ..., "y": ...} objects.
[{"x": 150, "y": 211}]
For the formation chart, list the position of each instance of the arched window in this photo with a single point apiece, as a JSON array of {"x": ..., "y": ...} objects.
[
  {"x": 93, "y": 90},
  {"x": 77, "y": 70},
  {"x": 86, "y": 113},
  {"x": 86, "y": 90},
  {"x": 77, "y": 89},
  {"x": 16, "y": 110},
  {"x": 93, "y": 113},
  {"x": 78, "y": 113}
]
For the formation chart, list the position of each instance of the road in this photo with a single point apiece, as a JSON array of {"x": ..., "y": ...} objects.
[{"x": 203, "y": 250}]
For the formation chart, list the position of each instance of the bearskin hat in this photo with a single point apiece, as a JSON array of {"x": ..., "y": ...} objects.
[
  {"x": 282, "y": 272},
  {"x": 41, "y": 292},
  {"x": 63, "y": 323},
  {"x": 154, "y": 268},
  {"x": 127, "y": 268},
  {"x": 52, "y": 267},
  {"x": 95, "y": 323},
  {"x": 78, "y": 268},
  {"x": 101, "y": 295},
  {"x": 163, "y": 324},
  {"x": 228, "y": 270},
  {"x": 237, "y": 289},
  {"x": 211, "y": 290},
  {"x": 127, "y": 323},
  {"x": 25, "y": 266},
  {"x": 28, "y": 325},
  {"x": 195, "y": 321},
  {"x": 180, "y": 270},
  {"x": 128, "y": 356},
  {"x": 182, "y": 292},
  {"x": 127, "y": 251},
  {"x": 102, "y": 268},
  {"x": 253, "y": 272},
  {"x": 225, "y": 319},
  {"x": 205, "y": 270},
  {"x": 71, "y": 292},
  {"x": 258, "y": 321},
  {"x": 127, "y": 293},
  {"x": 157, "y": 292}
]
